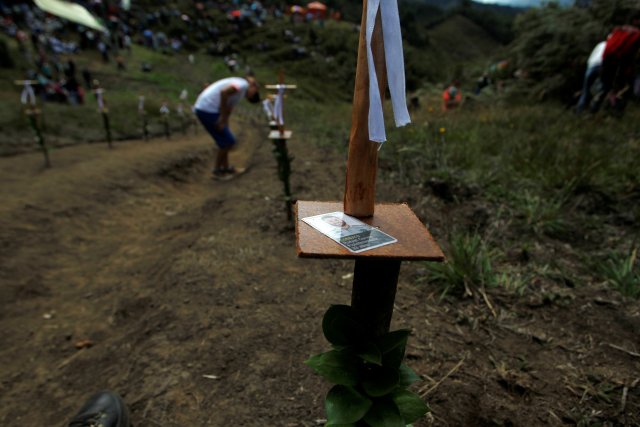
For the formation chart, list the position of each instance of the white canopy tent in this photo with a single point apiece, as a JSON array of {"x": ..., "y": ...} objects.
[{"x": 71, "y": 11}]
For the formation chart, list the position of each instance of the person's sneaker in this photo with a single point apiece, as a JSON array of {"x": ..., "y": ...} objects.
[{"x": 104, "y": 409}]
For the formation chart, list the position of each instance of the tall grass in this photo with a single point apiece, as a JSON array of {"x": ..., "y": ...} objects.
[
  {"x": 621, "y": 271},
  {"x": 469, "y": 266},
  {"x": 549, "y": 180}
]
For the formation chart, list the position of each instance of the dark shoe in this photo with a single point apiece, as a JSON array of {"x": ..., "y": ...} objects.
[{"x": 105, "y": 409}]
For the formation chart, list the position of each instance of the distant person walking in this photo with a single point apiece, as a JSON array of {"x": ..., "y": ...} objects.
[
  {"x": 214, "y": 107},
  {"x": 594, "y": 66}
]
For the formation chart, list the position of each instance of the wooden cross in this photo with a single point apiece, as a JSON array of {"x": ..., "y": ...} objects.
[
  {"x": 281, "y": 132},
  {"x": 164, "y": 113},
  {"x": 103, "y": 110},
  {"x": 376, "y": 271},
  {"x": 143, "y": 116},
  {"x": 33, "y": 113},
  {"x": 279, "y": 136}
]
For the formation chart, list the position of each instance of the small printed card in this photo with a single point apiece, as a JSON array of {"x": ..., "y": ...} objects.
[{"x": 349, "y": 232}]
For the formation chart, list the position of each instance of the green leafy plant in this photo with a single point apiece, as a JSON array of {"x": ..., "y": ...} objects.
[
  {"x": 622, "y": 273},
  {"x": 370, "y": 378}
]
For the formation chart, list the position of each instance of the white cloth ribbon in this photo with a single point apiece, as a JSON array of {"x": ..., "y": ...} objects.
[
  {"x": 267, "y": 105},
  {"x": 141, "y": 104},
  {"x": 164, "y": 109},
  {"x": 100, "y": 99},
  {"x": 390, "y": 19},
  {"x": 278, "y": 113},
  {"x": 28, "y": 95}
]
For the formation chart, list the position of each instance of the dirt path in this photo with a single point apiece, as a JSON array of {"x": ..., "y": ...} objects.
[{"x": 200, "y": 314}]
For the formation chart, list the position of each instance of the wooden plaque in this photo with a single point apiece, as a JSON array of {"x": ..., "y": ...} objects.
[
  {"x": 398, "y": 220},
  {"x": 275, "y": 134}
]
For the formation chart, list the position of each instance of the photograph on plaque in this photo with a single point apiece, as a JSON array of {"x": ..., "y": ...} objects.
[{"x": 349, "y": 232}]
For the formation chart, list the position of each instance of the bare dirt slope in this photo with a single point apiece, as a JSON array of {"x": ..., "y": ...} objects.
[{"x": 200, "y": 314}]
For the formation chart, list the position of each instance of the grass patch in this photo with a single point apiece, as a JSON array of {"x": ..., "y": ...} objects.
[
  {"x": 622, "y": 273},
  {"x": 469, "y": 266}
]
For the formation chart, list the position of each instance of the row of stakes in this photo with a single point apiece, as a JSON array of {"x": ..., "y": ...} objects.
[
  {"x": 274, "y": 106},
  {"x": 279, "y": 135},
  {"x": 34, "y": 115}
]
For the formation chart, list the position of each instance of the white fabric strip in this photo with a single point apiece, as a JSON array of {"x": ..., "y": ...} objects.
[
  {"x": 267, "y": 105},
  {"x": 278, "y": 113},
  {"x": 28, "y": 95},
  {"x": 100, "y": 100},
  {"x": 394, "y": 56},
  {"x": 164, "y": 109}
]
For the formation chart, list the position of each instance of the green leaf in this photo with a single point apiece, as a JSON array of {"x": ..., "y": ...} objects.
[
  {"x": 410, "y": 405},
  {"x": 344, "y": 405},
  {"x": 339, "y": 367},
  {"x": 384, "y": 413},
  {"x": 380, "y": 381},
  {"x": 392, "y": 346},
  {"x": 407, "y": 376},
  {"x": 370, "y": 352},
  {"x": 340, "y": 326}
]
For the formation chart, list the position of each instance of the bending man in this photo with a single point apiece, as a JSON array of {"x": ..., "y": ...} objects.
[{"x": 214, "y": 107}]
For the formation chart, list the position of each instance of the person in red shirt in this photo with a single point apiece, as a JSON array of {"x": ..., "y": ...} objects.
[
  {"x": 618, "y": 60},
  {"x": 451, "y": 97}
]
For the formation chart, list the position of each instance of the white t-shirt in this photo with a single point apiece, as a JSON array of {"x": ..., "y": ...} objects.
[
  {"x": 595, "y": 59},
  {"x": 209, "y": 99}
]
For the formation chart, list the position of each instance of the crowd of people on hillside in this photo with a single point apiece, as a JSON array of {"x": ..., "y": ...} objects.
[{"x": 48, "y": 44}]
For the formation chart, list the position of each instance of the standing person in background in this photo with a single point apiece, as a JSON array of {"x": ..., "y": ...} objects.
[{"x": 214, "y": 107}]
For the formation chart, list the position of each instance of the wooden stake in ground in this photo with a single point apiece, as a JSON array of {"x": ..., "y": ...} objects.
[
  {"x": 143, "y": 118},
  {"x": 279, "y": 136},
  {"x": 103, "y": 110},
  {"x": 164, "y": 113},
  {"x": 31, "y": 110},
  {"x": 376, "y": 271}
]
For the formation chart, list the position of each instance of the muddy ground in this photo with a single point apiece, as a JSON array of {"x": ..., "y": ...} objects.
[{"x": 188, "y": 299}]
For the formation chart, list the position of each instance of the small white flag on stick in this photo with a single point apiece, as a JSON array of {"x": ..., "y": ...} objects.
[
  {"x": 278, "y": 113},
  {"x": 100, "y": 99},
  {"x": 392, "y": 36},
  {"x": 28, "y": 96},
  {"x": 267, "y": 105}
]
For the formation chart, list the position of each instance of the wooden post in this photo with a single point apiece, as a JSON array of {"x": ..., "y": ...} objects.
[
  {"x": 376, "y": 271},
  {"x": 374, "y": 291},
  {"x": 143, "y": 117},
  {"x": 33, "y": 114},
  {"x": 362, "y": 163},
  {"x": 164, "y": 113},
  {"x": 374, "y": 282},
  {"x": 104, "y": 111}
]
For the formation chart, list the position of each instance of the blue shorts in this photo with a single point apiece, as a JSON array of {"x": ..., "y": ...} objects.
[{"x": 223, "y": 138}]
